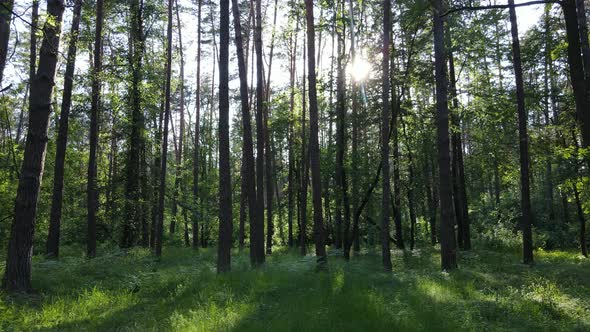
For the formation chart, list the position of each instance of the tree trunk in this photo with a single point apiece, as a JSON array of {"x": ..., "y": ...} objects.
[
  {"x": 304, "y": 170},
  {"x": 164, "y": 148},
  {"x": 526, "y": 219},
  {"x": 397, "y": 208},
  {"x": 314, "y": 145},
  {"x": 292, "y": 186},
  {"x": 225, "y": 204},
  {"x": 92, "y": 190},
  {"x": 62, "y": 138},
  {"x": 195, "y": 241},
  {"x": 340, "y": 133},
  {"x": 257, "y": 235},
  {"x": 447, "y": 234},
  {"x": 386, "y": 190},
  {"x": 5, "y": 18},
  {"x": 178, "y": 183},
  {"x": 248, "y": 174},
  {"x": 267, "y": 142},
  {"x": 17, "y": 275},
  {"x": 133, "y": 208},
  {"x": 459, "y": 192},
  {"x": 156, "y": 178},
  {"x": 576, "y": 68}
]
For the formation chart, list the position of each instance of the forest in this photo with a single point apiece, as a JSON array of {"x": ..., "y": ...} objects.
[{"x": 294, "y": 165}]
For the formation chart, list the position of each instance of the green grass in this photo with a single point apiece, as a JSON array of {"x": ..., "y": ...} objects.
[{"x": 131, "y": 291}]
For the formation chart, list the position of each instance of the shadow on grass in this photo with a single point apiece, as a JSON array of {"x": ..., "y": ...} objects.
[{"x": 133, "y": 291}]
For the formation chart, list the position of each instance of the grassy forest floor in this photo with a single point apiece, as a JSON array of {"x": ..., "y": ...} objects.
[{"x": 132, "y": 291}]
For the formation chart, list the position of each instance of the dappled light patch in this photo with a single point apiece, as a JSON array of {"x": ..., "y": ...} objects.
[{"x": 130, "y": 290}]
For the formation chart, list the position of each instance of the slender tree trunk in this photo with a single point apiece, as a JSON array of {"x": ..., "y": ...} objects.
[
  {"x": 397, "y": 197},
  {"x": 386, "y": 190},
  {"x": 164, "y": 148},
  {"x": 411, "y": 198},
  {"x": 292, "y": 186},
  {"x": 526, "y": 218},
  {"x": 195, "y": 242},
  {"x": 5, "y": 18},
  {"x": 304, "y": 170},
  {"x": 459, "y": 192},
  {"x": 548, "y": 131},
  {"x": 156, "y": 177},
  {"x": 92, "y": 190},
  {"x": 248, "y": 174},
  {"x": 178, "y": 183},
  {"x": 355, "y": 238},
  {"x": 133, "y": 208},
  {"x": 447, "y": 234},
  {"x": 17, "y": 275},
  {"x": 225, "y": 204},
  {"x": 257, "y": 236},
  {"x": 432, "y": 199},
  {"x": 314, "y": 145},
  {"x": 62, "y": 138},
  {"x": 267, "y": 142},
  {"x": 340, "y": 132}
]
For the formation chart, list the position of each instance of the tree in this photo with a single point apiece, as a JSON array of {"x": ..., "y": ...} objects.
[
  {"x": 62, "y": 138},
  {"x": 17, "y": 275},
  {"x": 257, "y": 235},
  {"x": 132, "y": 180},
  {"x": 526, "y": 218},
  {"x": 341, "y": 189},
  {"x": 195, "y": 242},
  {"x": 92, "y": 187},
  {"x": 314, "y": 145},
  {"x": 225, "y": 209},
  {"x": 5, "y": 18},
  {"x": 385, "y": 210},
  {"x": 248, "y": 174},
  {"x": 164, "y": 149},
  {"x": 447, "y": 233}
]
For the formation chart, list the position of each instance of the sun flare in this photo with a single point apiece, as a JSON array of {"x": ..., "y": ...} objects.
[{"x": 359, "y": 69}]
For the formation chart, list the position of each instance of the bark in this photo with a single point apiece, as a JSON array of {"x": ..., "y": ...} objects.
[
  {"x": 397, "y": 205},
  {"x": 5, "y": 18},
  {"x": 340, "y": 135},
  {"x": 386, "y": 190},
  {"x": 248, "y": 175},
  {"x": 257, "y": 237},
  {"x": 156, "y": 177},
  {"x": 92, "y": 189},
  {"x": 355, "y": 238},
  {"x": 62, "y": 138},
  {"x": 582, "y": 220},
  {"x": 304, "y": 169},
  {"x": 314, "y": 145},
  {"x": 133, "y": 208},
  {"x": 195, "y": 241},
  {"x": 164, "y": 148},
  {"x": 459, "y": 191},
  {"x": 447, "y": 234},
  {"x": 548, "y": 90},
  {"x": 267, "y": 144},
  {"x": 17, "y": 275},
  {"x": 292, "y": 181},
  {"x": 526, "y": 218},
  {"x": 576, "y": 68},
  {"x": 178, "y": 183},
  {"x": 225, "y": 208}
]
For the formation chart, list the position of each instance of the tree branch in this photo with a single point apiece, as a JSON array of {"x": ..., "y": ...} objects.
[{"x": 530, "y": 3}]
